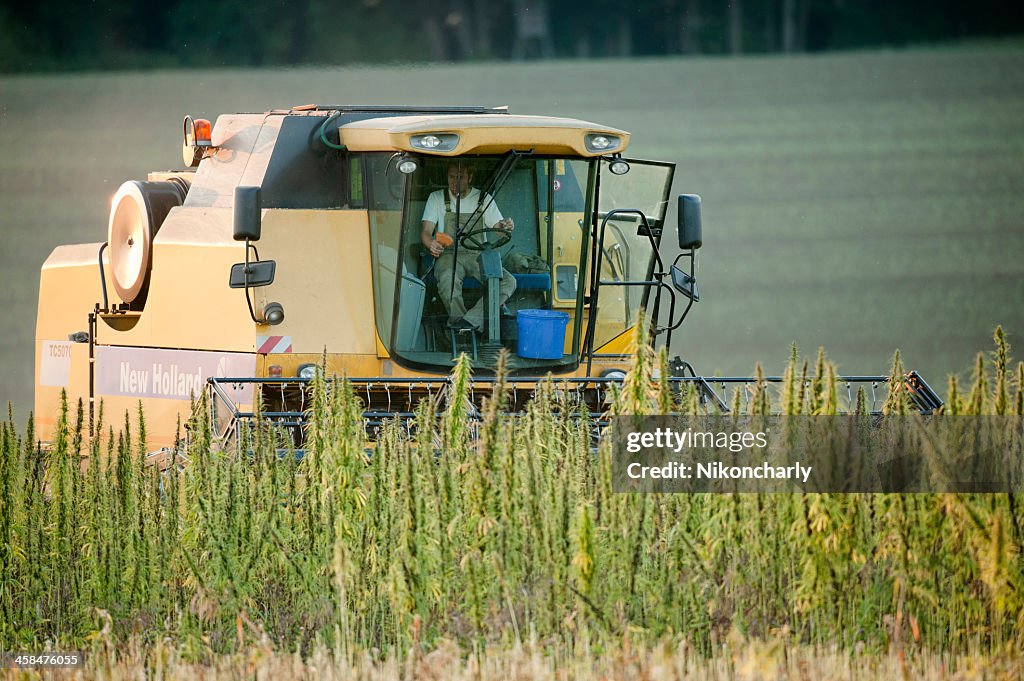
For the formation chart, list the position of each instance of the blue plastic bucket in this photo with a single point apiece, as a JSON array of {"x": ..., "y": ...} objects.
[{"x": 541, "y": 333}]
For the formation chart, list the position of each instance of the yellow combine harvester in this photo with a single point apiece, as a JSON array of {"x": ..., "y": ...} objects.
[
  {"x": 349, "y": 206},
  {"x": 389, "y": 240}
]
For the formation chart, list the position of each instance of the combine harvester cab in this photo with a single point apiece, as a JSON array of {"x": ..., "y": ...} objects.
[{"x": 296, "y": 240}]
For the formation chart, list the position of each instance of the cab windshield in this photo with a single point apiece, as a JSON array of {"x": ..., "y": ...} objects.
[{"x": 473, "y": 254}]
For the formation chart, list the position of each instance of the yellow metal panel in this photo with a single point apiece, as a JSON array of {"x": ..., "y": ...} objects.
[
  {"x": 188, "y": 226},
  {"x": 365, "y": 139},
  {"x": 340, "y": 365},
  {"x": 47, "y": 397},
  {"x": 190, "y": 305},
  {"x": 382, "y": 351},
  {"x": 567, "y": 241},
  {"x": 69, "y": 287},
  {"x": 256, "y": 167},
  {"x": 323, "y": 279},
  {"x": 235, "y": 141},
  {"x": 624, "y": 343}
]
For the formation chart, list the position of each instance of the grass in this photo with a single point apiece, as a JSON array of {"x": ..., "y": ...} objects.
[
  {"x": 860, "y": 201},
  {"x": 508, "y": 551}
]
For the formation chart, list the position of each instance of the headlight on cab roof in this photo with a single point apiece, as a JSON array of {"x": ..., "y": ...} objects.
[
  {"x": 601, "y": 142},
  {"x": 307, "y": 371},
  {"x": 435, "y": 141}
]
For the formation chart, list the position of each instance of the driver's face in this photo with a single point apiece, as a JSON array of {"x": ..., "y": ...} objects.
[{"x": 458, "y": 180}]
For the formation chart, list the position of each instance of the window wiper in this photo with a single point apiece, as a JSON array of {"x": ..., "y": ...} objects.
[
  {"x": 497, "y": 180},
  {"x": 493, "y": 186}
]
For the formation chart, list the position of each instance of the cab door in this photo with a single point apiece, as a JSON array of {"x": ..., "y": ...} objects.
[{"x": 628, "y": 252}]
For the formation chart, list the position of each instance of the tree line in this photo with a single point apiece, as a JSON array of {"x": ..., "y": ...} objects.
[{"x": 117, "y": 34}]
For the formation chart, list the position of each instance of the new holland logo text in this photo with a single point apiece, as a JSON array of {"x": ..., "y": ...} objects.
[
  {"x": 169, "y": 374},
  {"x": 162, "y": 380}
]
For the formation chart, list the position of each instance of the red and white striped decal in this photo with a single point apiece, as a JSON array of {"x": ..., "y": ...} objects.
[{"x": 267, "y": 345}]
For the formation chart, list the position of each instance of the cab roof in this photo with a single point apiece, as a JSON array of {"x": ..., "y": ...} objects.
[{"x": 480, "y": 133}]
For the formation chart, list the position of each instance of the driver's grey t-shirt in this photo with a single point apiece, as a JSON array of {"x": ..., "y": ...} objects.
[{"x": 435, "y": 209}]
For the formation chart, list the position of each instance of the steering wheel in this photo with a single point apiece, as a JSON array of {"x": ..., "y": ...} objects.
[{"x": 474, "y": 240}]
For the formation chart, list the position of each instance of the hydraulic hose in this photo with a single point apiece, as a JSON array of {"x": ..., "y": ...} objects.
[{"x": 323, "y": 132}]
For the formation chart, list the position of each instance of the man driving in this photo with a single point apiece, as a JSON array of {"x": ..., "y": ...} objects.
[{"x": 463, "y": 200}]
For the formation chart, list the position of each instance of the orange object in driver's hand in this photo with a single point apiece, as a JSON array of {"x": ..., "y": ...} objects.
[{"x": 444, "y": 239}]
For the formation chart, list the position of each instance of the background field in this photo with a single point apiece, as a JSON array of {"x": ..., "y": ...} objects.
[{"x": 862, "y": 202}]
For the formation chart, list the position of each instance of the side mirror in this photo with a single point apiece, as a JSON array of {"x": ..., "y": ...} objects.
[
  {"x": 248, "y": 207},
  {"x": 252, "y": 274},
  {"x": 685, "y": 284},
  {"x": 689, "y": 221}
]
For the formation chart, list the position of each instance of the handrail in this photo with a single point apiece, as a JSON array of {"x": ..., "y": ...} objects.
[{"x": 588, "y": 341}]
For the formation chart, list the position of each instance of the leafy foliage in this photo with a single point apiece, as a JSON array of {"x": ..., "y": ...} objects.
[{"x": 489, "y": 532}]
